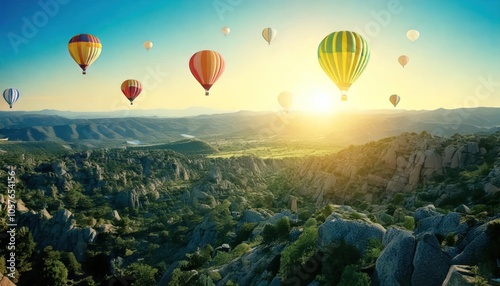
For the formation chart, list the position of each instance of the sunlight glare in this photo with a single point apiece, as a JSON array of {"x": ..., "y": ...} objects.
[{"x": 322, "y": 103}]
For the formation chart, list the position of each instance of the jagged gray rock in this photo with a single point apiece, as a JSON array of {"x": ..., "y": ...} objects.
[
  {"x": 394, "y": 265},
  {"x": 253, "y": 216},
  {"x": 463, "y": 209},
  {"x": 430, "y": 263},
  {"x": 425, "y": 212},
  {"x": 354, "y": 232},
  {"x": 473, "y": 252},
  {"x": 441, "y": 224},
  {"x": 459, "y": 275},
  {"x": 59, "y": 231}
]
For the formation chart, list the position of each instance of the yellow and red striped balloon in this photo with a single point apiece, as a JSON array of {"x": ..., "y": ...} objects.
[
  {"x": 207, "y": 66},
  {"x": 131, "y": 88},
  {"x": 394, "y": 99},
  {"x": 84, "y": 49}
]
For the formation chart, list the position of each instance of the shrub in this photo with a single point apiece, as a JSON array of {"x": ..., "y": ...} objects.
[
  {"x": 352, "y": 277},
  {"x": 241, "y": 249},
  {"x": 142, "y": 273},
  {"x": 244, "y": 232},
  {"x": 450, "y": 239},
  {"x": 299, "y": 251},
  {"x": 338, "y": 257},
  {"x": 409, "y": 223},
  {"x": 55, "y": 273}
]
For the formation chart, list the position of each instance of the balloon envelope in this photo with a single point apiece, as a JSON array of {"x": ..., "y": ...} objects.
[
  {"x": 269, "y": 34},
  {"x": 11, "y": 95},
  {"x": 343, "y": 56},
  {"x": 84, "y": 49},
  {"x": 285, "y": 100},
  {"x": 226, "y": 31},
  {"x": 131, "y": 88},
  {"x": 148, "y": 45},
  {"x": 412, "y": 35},
  {"x": 403, "y": 60},
  {"x": 207, "y": 66},
  {"x": 394, "y": 99}
]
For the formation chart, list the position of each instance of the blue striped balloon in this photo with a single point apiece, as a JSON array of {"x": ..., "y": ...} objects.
[{"x": 11, "y": 95}]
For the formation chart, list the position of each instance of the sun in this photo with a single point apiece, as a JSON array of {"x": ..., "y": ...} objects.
[{"x": 322, "y": 103}]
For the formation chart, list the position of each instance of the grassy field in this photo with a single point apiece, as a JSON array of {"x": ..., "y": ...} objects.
[{"x": 274, "y": 148}]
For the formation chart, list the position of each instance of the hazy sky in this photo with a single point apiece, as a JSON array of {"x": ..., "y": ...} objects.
[{"x": 454, "y": 63}]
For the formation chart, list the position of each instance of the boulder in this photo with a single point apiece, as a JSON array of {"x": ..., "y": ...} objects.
[
  {"x": 463, "y": 209},
  {"x": 459, "y": 275},
  {"x": 441, "y": 224},
  {"x": 430, "y": 264},
  {"x": 473, "y": 252},
  {"x": 254, "y": 216},
  {"x": 424, "y": 212},
  {"x": 394, "y": 265},
  {"x": 356, "y": 233}
]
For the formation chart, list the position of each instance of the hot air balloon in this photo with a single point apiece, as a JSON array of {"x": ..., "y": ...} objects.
[
  {"x": 131, "y": 88},
  {"x": 269, "y": 34},
  {"x": 226, "y": 31},
  {"x": 207, "y": 66},
  {"x": 412, "y": 35},
  {"x": 84, "y": 49},
  {"x": 394, "y": 99},
  {"x": 343, "y": 55},
  {"x": 148, "y": 45},
  {"x": 11, "y": 95},
  {"x": 285, "y": 100},
  {"x": 403, "y": 60}
]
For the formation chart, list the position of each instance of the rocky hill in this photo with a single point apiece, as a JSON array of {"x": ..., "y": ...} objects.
[
  {"x": 404, "y": 210},
  {"x": 349, "y": 127}
]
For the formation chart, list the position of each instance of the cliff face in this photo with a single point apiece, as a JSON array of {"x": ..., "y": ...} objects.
[
  {"x": 378, "y": 170},
  {"x": 163, "y": 207}
]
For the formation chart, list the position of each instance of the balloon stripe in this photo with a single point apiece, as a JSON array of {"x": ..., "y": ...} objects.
[
  {"x": 11, "y": 95},
  {"x": 343, "y": 56}
]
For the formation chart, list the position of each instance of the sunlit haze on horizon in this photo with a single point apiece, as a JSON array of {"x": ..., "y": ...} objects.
[{"x": 453, "y": 64}]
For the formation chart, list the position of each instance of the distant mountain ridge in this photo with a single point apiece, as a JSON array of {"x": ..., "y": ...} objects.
[{"x": 345, "y": 127}]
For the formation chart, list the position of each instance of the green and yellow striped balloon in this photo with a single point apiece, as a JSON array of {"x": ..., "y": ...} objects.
[{"x": 343, "y": 55}]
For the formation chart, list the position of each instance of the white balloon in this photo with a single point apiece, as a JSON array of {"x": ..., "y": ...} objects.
[
  {"x": 412, "y": 35},
  {"x": 148, "y": 45}
]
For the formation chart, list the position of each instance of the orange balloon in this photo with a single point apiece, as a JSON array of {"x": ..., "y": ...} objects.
[
  {"x": 403, "y": 60},
  {"x": 207, "y": 66}
]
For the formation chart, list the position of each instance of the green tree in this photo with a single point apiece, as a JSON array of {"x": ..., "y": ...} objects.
[
  {"x": 269, "y": 234},
  {"x": 283, "y": 228},
  {"x": 352, "y": 277},
  {"x": 143, "y": 274},
  {"x": 299, "y": 251},
  {"x": 74, "y": 267},
  {"x": 54, "y": 273}
]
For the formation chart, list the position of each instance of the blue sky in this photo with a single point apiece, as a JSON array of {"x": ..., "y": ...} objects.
[{"x": 454, "y": 63}]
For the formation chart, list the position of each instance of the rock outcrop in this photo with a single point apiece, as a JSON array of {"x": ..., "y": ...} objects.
[
  {"x": 430, "y": 263},
  {"x": 394, "y": 265},
  {"x": 356, "y": 233},
  {"x": 59, "y": 231}
]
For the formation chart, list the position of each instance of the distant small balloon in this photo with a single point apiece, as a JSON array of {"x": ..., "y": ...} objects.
[
  {"x": 394, "y": 99},
  {"x": 269, "y": 34},
  {"x": 148, "y": 45},
  {"x": 412, "y": 35},
  {"x": 403, "y": 60},
  {"x": 131, "y": 88},
  {"x": 285, "y": 100},
  {"x": 11, "y": 95},
  {"x": 226, "y": 31}
]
